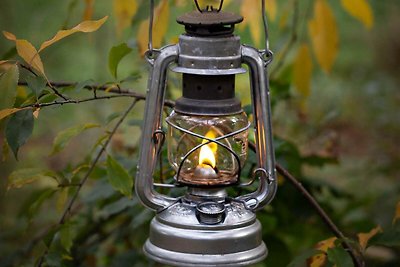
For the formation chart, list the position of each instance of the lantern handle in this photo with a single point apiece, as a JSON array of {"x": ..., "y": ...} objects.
[
  {"x": 262, "y": 122},
  {"x": 208, "y": 8},
  {"x": 152, "y": 128}
]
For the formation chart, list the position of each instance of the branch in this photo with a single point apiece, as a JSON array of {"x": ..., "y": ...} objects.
[
  {"x": 358, "y": 261},
  {"x": 105, "y": 88},
  {"x": 324, "y": 216},
  {"x": 83, "y": 181}
]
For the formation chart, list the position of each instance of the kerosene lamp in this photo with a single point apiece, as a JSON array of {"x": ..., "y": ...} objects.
[{"x": 207, "y": 140}]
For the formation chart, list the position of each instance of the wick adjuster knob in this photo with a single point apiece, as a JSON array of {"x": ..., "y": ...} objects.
[{"x": 210, "y": 212}]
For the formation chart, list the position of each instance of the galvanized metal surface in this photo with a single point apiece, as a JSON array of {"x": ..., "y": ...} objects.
[
  {"x": 209, "y": 55},
  {"x": 178, "y": 238}
]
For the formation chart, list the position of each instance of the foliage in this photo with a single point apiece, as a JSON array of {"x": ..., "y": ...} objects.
[{"x": 83, "y": 212}]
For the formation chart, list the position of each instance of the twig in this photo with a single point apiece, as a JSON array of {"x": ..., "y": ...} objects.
[
  {"x": 358, "y": 261},
  {"x": 83, "y": 181},
  {"x": 290, "y": 43},
  {"x": 55, "y": 91},
  {"x": 77, "y": 101},
  {"x": 104, "y": 88},
  {"x": 324, "y": 216}
]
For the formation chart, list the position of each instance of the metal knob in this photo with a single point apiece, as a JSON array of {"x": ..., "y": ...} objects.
[{"x": 210, "y": 212}]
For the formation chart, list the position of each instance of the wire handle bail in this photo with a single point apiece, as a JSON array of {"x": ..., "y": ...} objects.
[
  {"x": 209, "y": 8},
  {"x": 151, "y": 19},
  {"x": 266, "y": 53}
]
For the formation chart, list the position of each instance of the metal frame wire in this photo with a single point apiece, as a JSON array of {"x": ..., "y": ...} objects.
[{"x": 209, "y": 140}]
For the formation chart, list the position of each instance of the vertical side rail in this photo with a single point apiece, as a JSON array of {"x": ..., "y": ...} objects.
[
  {"x": 263, "y": 129},
  {"x": 151, "y": 123}
]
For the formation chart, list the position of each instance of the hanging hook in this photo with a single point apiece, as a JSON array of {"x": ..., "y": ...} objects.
[{"x": 208, "y": 8}]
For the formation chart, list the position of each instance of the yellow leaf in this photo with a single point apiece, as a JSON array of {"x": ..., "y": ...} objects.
[
  {"x": 361, "y": 10},
  {"x": 9, "y": 36},
  {"x": 319, "y": 260},
  {"x": 363, "y": 238},
  {"x": 302, "y": 71},
  {"x": 250, "y": 10},
  {"x": 160, "y": 27},
  {"x": 36, "y": 113},
  {"x": 397, "y": 213},
  {"x": 8, "y": 111},
  {"x": 324, "y": 35},
  {"x": 85, "y": 26},
  {"x": 271, "y": 9},
  {"x": 29, "y": 53},
  {"x": 124, "y": 10},
  {"x": 88, "y": 13}
]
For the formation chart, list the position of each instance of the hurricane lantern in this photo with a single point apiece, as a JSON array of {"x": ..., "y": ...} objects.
[{"x": 207, "y": 140}]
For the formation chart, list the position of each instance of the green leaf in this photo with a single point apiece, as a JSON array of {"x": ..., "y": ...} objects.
[
  {"x": 8, "y": 87},
  {"x": 119, "y": 177},
  {"x": 301, "y": 259},
  {"x": 65, "y": 136},
  {"x": 67, "y": 236},
  {"x": 36, "y": 83},
  {"x": 19, "y": 128},
  {"x": 115, "y": 56},
  {"x": 340, "y": 257},
  {"x": 19, "y": 178}
]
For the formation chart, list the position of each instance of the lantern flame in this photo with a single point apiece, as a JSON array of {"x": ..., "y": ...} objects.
[{"x": 207, "y": 152}]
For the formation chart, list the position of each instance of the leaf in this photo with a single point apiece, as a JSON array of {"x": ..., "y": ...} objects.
[
  {"x": 19, "y": 128},
  {"x": 124, "y": 11},
  {"x": 62, "y": 199},
  {"x": 302, "y": 71},
  {"x": 361, "y": 10},
  {"x": 67, "y": 236},
  {"x": 36, "y": 83},
  {"x": 160, "y": 26},
  {"x": 8, "y": 87},
  {"x": 339, "y": 257},
  {"x": 363, "y": 238},
  {"x": 115, "y": 56},
  {"x": 8, "y": 111},
  {"x": 27, "y": 52},
  {"x": 299, "y": 260},
  {"x": 319, "y": 260},
  {"x": 397, "y": 213},
  {"x": 250, "y": 10},
  {"x": 324, "y": 35},
  {"x": 19, "y": 178},
  {"x": 83, "y": 84},
  {"x": 65, "y": 136},
  {"x": 118, "y": 177},
  {"x": 36, "y": 113},
  {"x": 85, "y": 26},
  {"x": 88, "y": 13}
]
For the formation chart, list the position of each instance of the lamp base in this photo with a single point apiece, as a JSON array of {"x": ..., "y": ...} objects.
[{"x": 177, "y": 238}]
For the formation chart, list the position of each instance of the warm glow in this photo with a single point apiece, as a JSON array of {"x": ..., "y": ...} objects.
[{"x": 206, "y": 156}]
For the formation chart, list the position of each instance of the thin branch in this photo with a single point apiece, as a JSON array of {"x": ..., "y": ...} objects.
[
  {"x": 290, "y": 43},
  {"x": 55, "y": 91},
  {"x": 324, "y": 216},
  {"x": 358, "y": 261},
  {"x": 115, "y": 89},
  {"x": 85, "y": 178}
]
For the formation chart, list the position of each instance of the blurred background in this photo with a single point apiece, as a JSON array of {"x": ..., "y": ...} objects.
[{"x": 336, "y": 108}]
